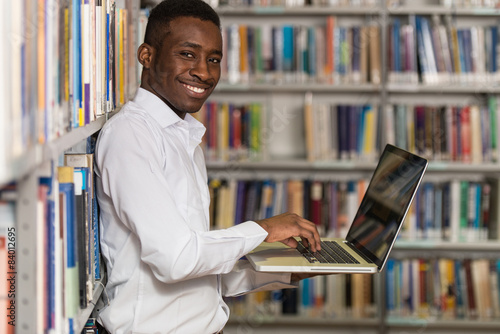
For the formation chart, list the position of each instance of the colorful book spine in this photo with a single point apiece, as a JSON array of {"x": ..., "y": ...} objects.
[
  {"x": 447, "y": 132},
  {"x": 234, "y": 131},
  {"x": 61, "y": 75},
  {"x": 321, "y": 297},
  {"x": 444, "y": 287},
  {"x": 454, "y": 210},
  {"x": 68, "y": 207},
  {"x": 294, "y": 53}
]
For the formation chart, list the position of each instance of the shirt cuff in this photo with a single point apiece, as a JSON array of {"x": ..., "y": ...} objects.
[
  {"x": 252, "y": 232},
  {"x": 250, "y": 228}
]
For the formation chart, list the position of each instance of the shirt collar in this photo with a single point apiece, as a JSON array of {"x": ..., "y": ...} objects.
[{"x": 165, "y": 116}]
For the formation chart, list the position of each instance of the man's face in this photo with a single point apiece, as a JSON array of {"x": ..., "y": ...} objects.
[{"x": 186, "y": 69}]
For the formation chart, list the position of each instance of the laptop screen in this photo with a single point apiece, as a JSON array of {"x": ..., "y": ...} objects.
[{"x": 385, "y": 203}]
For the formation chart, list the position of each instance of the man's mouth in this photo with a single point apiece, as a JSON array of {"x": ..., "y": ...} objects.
[{"x": 195, "y": 89}]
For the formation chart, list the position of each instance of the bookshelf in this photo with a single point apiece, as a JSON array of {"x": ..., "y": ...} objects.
[
  {"x": 67, "y": 66},
  {"x": 283, "y": 154},
  {"x": 27, "y": 210}
]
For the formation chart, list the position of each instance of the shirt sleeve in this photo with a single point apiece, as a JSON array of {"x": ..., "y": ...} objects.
[
  {"x": 137, "y": 197},
  {"x": 244, "y": 279}
]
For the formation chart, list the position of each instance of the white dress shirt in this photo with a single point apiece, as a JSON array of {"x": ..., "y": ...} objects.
[{"x": 167, "y": 272}]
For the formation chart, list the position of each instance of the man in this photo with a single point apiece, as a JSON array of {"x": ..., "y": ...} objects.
[{"x": 167, "y": 272}]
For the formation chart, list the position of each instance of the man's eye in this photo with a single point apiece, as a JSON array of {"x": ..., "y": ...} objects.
[
  {"x": 214, "y": 60},
  {"x": 187, "y": 54}
]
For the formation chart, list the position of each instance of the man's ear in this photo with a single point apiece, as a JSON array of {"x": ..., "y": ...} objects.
[{"x": 145, "y": 54}]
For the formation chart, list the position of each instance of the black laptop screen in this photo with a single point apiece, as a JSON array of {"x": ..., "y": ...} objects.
[{"x": 385, "y": 203}]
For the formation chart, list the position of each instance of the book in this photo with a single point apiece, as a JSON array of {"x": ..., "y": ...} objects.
[
  {"x": 325, "y": 133},
  {"x": 244, "y": 53},
  {"x": 240, "y": 200},
  {"x": 86, "y": 160},
  {"x": 316, "y": 197},
  {"x": 288, "y": 52},
  {"x": 82, "y": 235},
  {"x": 363, "y": 58},
  {"x": 267, "y": 199},
  {"x": 494, "y": 125},
  {"x": 309, "y": 127},
  {"x": 253, "y": 200},
  {"x": 320, "y": 59},
  {"x": 494, "y": 281},
  {"x": 370, "y": 148},
  {"x": 222, "y": 200},
  {"x": 42, "y": 272},
  {"x": 391, "y": 287},
  {"x": 213, "y": 188},
  {"x": 53, "y": 258},
  {"x": 332, "y": 227},
  {"x": 342, "y": 131},
  {"x": 100, "y": 24},
  {"x": 482, "y": 289},
  {"x": 428, "y": 224},
  {"x": 425, "y": 51},
  {"x": 330, "y": 60},
  {"x": 86, "y": 54},
  {"x": 318, "y": 296},
  {"x": 375, "y": 56},
  {"x": 236, "y": 150},
  {"x": 472, "y": 311},
  {"x": 460, "y": 289},
  {"x": 447, "y": 276},
  {"x": 65, "y": 177},
  {"x": 394, "y": 53}
]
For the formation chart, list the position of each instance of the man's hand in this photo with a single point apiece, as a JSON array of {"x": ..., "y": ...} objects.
[{"x": 286, "y": 226}]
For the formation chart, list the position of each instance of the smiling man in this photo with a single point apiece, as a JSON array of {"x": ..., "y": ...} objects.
[
  {"x": 184, "y": 68},
  {"x": 167, "y": 272}
]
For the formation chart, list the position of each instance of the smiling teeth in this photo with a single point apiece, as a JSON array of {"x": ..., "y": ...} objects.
[{"x": 195, "y": 89}]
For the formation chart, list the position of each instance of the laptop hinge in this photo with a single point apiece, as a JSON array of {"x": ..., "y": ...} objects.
[{"x": 366, "y": 258}]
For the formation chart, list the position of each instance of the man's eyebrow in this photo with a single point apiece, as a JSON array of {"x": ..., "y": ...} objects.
[{"x": 198, "y": 46}]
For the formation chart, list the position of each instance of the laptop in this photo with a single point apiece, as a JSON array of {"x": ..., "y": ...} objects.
[{"x": 372, "y": 233}]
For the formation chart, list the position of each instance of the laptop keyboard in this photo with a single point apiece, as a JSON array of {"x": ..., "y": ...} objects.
[{"x": 331, "y": 252}]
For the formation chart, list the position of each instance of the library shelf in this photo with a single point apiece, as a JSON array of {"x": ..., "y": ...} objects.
[
  {"x": 277, "y": 164},
  {"x": 27, "y": 214},
  {"x": 21, "y": 165},
  {"x": 470, "y": 88},
  {"x": 448, "y": 324},
  {"x": 224, "y": 87},
  {"x": 390, "y": 93},
  {"x": 303, "y": 321},
  {"x": 438, "y": 246},
  {"x": 442, "y": 10},
  {"x": 61, "y": 144},
  {"x": 290, "y": 164},
  {"x": 297, "y": 11},
  {"x": 41, "y": 153},
  {"x": 457, "y": 167}
]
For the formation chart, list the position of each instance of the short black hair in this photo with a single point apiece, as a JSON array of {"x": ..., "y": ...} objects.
[{"x": 167, "y": 10}]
